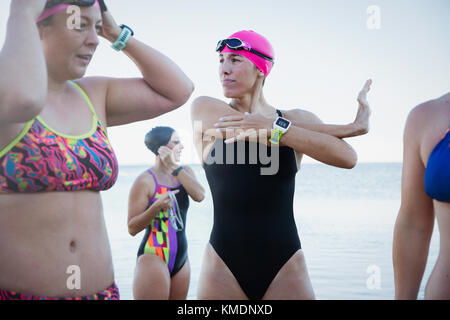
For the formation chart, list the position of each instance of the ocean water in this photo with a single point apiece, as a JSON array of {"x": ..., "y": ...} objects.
[{"x": 345, "y": 220}]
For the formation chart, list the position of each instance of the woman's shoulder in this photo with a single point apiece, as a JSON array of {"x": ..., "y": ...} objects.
[
  {"x": 425, "y": 114},
  {"x": 95, "y": 88},
  {"x": 145, "y": 180},
  {"x": 425, "y": 125},
  {"x": 301, "y": 115},
  {"x": 202, "y": 102},
  {"x": 208, "y": 110},
  {"x": 92, "y": 85}
]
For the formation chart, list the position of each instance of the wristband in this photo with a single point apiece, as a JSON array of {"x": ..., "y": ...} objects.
[
  {"x": 280, "y": 127},
  {"x": 276, "y": 136},
  {"x": 177, "y": 171},
  {"x": 122, "y": 40}
]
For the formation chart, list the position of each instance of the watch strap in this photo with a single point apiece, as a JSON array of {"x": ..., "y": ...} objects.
[
  {"x": 123, "y": 38},
  {"x": 177, "y": 171},
  {"x": 276, "y": 136}
]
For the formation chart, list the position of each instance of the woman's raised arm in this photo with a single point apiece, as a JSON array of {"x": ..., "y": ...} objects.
[
  {"x": 162, "y": 88},
  {"x": 357, "y": 128},
  {"x": 23, "y": 80}
]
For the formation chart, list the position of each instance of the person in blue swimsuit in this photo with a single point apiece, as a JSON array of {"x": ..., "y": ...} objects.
[
  {"x": 162, "y": 268},
  {"x": 425, "y": 195}
]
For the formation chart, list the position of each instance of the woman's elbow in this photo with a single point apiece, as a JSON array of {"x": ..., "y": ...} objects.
[
  {"x": 351, "y": 161},
  {"x": 132, "y": 230},
  {"x": 199, "y": 196},
  {"x": 349, "y": 158},
  {"x": 183, "y": 94}
]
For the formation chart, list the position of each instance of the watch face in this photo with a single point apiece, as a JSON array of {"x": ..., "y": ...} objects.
[{"x": 283, "y": 123}]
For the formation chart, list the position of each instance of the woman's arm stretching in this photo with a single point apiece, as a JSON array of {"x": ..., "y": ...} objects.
[
  {"x": 23, "y": 81},
  {"x": 322, "y": 147}
]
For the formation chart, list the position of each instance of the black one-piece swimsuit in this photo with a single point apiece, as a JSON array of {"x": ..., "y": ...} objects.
[{"x": 254, "y": 230}]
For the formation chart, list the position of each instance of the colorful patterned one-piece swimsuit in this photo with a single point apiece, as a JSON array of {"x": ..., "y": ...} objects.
[{"x": 160, "y": 237}]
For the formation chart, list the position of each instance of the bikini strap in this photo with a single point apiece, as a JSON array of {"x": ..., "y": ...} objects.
[
  {"x": 86, "y": 98},
  {"x": 91, "y": 106}
]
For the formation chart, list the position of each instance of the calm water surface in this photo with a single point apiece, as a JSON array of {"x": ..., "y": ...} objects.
[{"x": 345, "y": 220}]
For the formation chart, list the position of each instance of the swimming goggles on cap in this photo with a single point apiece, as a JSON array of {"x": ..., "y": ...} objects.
[
  {"x": 80, "y": 3},
  {"x": 238, "y": 44}
]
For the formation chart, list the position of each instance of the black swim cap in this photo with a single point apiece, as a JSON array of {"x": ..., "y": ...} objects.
[{"x": 157, "y": 137}]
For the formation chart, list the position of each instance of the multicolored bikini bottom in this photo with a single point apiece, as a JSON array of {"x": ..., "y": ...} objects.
[{"x": 111, "y": 293}]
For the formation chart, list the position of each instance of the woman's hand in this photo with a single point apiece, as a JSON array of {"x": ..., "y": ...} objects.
[
  {"x": 110, "y": 29},
  {"x": 246, "y": 125},
  {"x": 34, "y": 7},
  {"x": 164, "y": 202},
  {"x": 361, "y": 123},
  {"x": 167, "y": 157}
]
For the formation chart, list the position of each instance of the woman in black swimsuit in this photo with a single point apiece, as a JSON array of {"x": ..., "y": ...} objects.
[{"x": 254, "y": 250}]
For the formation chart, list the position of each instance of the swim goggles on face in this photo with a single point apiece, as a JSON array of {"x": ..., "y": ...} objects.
[
  {"x": 80, "y": 3},
  {"x": 174, "y": 213},
  {"x": 238, "y": 44}
]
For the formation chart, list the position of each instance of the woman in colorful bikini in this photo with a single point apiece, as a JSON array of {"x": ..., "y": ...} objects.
[
  {"x": 425, "y": 195},
  {"x": 254, "y": 250},
  {"x": 162, "y": 268},
  {"x": 55, "y": 156}
]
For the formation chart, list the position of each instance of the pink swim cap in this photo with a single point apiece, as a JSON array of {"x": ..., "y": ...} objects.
[
  {"x": 258, "y": 43},
  {"x": 60, "y": 7}
]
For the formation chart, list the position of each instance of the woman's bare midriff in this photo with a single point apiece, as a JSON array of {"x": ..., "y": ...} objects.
[
  {"x": 438, "y": 284},
  {"x": 51, "y": 242}
]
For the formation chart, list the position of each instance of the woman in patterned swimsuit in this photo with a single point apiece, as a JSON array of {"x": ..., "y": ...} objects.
[
  {"x": 55, "y": 156},
  {"x": 162, "y": 268}
]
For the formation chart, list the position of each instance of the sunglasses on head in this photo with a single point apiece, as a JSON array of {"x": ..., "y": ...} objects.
[
  {"x": 238, "y": 44},
  {"x": 80, "y": 3}
]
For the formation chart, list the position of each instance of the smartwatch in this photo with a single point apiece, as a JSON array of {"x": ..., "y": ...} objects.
[
  {"x": 177, "y": 171},
  {"x": 280, "y": 127},
  {"x": 121, "y": 42}
]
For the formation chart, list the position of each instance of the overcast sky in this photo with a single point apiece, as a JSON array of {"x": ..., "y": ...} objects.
[{"x": 325, "y": 50}]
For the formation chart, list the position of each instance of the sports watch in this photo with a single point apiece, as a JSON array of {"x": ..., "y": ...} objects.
[
  {"x": 280, "y": 127},
  {"x": 121, "y": 42},
  {"x": 177, "y": 171}
]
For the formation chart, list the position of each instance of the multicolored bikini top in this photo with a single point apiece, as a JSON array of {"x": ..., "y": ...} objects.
[
  {"x": 43, "y": 160},
  {"x": 437, "y": 172}
]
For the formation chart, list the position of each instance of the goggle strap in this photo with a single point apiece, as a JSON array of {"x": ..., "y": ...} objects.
[
  {"x": 85, "y": 3},
  {"x": 222, "y": 43}
]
